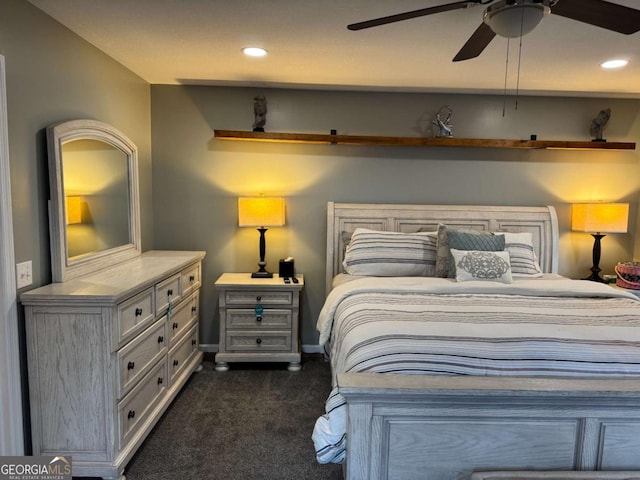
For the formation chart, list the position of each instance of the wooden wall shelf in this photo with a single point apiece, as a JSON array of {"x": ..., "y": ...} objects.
[{"x": 417, "y": 141}]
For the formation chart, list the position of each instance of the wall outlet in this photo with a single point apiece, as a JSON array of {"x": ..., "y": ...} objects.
[{"x": 24, "y": 274}]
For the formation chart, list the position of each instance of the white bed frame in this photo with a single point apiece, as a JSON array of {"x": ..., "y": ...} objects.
[{"x": 446, "y": 428}]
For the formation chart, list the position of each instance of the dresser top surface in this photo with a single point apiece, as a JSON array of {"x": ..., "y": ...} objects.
[{"x": 120, "y": 280}]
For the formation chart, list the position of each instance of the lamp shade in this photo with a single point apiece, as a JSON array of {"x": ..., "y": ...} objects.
[
  {"x": 261, "y": 211},
  {"x": 600, "y": 217}
]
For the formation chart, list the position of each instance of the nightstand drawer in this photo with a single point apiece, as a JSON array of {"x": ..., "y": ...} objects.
[
  {"x": 135, "y": 313},
  {"x": 137, "y": 356},
  {"x": 258, "y": 341},
  {"x": 254, "y": 297},
  {"x": 271, "y": 318}
]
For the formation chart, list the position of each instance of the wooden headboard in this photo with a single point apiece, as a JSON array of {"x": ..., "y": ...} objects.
[{"x": 542, "y": 222}]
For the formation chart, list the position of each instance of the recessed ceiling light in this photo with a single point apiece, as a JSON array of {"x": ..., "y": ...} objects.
[
  {"x": 619, "y": 63},
  {"x": 254, "y": 51}
]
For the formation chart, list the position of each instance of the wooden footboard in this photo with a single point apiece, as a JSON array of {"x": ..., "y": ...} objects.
[{"x": 445, "y": 428}]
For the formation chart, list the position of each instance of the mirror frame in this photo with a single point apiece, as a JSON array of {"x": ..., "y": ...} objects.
[{"x": 63, "y": 268}]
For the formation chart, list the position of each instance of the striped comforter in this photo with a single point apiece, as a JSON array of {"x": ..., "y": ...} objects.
[{"x": 549, "y": 326}]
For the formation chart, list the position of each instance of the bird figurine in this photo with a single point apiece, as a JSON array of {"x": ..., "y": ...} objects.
[{"x": 598, "y": 124}]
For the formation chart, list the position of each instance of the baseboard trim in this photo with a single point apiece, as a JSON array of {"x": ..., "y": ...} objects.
[{"x": 214, "y": 348}]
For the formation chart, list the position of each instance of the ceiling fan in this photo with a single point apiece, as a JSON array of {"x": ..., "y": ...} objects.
[{"x": 514, "y": 18}]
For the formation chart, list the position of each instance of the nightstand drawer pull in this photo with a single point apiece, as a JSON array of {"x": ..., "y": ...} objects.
[
  {"x": 159, "y": 380},
  {"x": 258, "y": 318},
  {"x": 192, "y": 277},
  {"x": 138, "y": 312},
  {"x": 193, "y": 343},
  {"x": 131, "y": 414},
  {"x": 194, "y": 309},
  {"x": 258, "y": 341},
  {"x": 175, "y": 363},
  {"x": 131, "y": 366},
  {"x": 175, "y": 325},
  {"x": 170, "y": 292},
  {"x": 160, "y": 339}
]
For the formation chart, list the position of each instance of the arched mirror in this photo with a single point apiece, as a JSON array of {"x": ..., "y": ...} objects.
[{"x": 95, "y": 209}]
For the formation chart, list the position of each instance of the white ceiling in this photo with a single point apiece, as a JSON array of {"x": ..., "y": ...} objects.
[{"x": 200, "y": 41}]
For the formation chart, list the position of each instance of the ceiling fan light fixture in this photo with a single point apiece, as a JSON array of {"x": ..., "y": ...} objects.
[
  {"x": 514, "y": 18},
  {"x": 616, "y": 63}
]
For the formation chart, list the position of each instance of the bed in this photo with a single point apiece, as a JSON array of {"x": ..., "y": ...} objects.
[{"x": 440, "y": 378}]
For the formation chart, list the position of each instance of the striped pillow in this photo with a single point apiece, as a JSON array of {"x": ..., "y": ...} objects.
[
  {"x": 524, "y": 262},
  {"x": 391, "y": 254}
]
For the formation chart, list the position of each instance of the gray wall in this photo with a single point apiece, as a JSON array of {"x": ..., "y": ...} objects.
[
  {"x": 197, "y": 179},
  {"x": 52, "y": 76}
]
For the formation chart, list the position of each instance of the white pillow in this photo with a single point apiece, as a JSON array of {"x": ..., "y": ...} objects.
[
  {"x": 524, "y": 262},
  {"x": 391, "y": 254},
  {"x": 482, "y": 265}
]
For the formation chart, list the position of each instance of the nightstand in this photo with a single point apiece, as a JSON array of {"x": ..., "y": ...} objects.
[{"x": 259, "y": 320}]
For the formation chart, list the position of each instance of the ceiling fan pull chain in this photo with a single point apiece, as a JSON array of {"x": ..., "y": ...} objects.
[
  {"x": 506, "y": 72},
  {"x": 519, "y": 58}
]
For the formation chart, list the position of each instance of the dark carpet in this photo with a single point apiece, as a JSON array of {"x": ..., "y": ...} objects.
[{"x": 252, "y": 422}]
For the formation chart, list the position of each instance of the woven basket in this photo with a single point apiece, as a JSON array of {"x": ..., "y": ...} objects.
[{"x": 628, "y": 275}]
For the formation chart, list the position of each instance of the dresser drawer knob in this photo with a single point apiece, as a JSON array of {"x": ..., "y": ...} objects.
[
  {"x": 175, "y": 325},
  {"x": 258, "y": 341},
  {"x": 131, "y": 366},
  {"x": 159, "y": 380},
  {"x": 259, "y": 318},
  {"x": 194, "y": 309},
  {"x": 192, "y": 278},
  {"x": 175, "y": 363},
  {"x": 138, "y": 312},
  {"x": 160, "y": 339},
  {"x": 131, "y": 414},
  {"x": 170, "y": 292},
  {"x": 193, "y": 343},
  {"x": 258, "y": 298}
]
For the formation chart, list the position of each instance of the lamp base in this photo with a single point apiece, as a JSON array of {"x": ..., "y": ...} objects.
[
  {"x": 594, "y": 277},
  {"x": 260, "y": 274}
]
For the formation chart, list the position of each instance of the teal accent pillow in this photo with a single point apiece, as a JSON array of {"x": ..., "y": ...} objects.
[{"x": 480, "y": 241}]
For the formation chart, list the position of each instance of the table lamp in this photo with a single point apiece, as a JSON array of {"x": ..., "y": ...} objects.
[
  {"x": 261, "y": 212},
  {"x": 599, "y": 219}
]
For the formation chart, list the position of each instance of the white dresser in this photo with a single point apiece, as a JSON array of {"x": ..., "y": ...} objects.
[{"x": 107, "y": 353}]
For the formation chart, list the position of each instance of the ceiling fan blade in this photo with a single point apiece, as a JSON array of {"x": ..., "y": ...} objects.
[
  {"x": 414, "y": 14},
  {"x": 600, "y": 13},
  {"x": 476, "y": 44}
]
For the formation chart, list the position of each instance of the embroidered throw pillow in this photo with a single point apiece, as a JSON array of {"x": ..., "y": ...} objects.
[
  {"x": 390, "y": 254},
  {"x": 468, "y": 240},
  {"x": 482, "y": 265}
]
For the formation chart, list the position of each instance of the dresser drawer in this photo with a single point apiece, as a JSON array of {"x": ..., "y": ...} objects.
[
  {"x": 190, "y": 279},
  {"x": 182, "y": 317},
  {"x": 135, "y": 359},
  {"x": 180, "y": 355},
  {"x": 135, "y": 313},
  {"x": 167, "y": 292},
  {"x": 271, "y": 318},
  {"x": 238, "y": 297},
  {"x": 137, "y": 405},
  {"x": 271, "y": 341}
]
